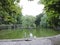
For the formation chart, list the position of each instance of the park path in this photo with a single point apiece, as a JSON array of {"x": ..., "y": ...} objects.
[{"x": 54, "y": 40}]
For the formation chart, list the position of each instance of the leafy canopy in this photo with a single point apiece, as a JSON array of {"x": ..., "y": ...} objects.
[
  {"x": 52, "y": 9},
  {"x": 9, "y": 11}
]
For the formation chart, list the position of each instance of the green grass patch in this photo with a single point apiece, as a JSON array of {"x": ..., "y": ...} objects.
[{"x": 24, "y": 33}]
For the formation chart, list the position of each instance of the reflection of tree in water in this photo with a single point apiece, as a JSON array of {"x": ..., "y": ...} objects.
[{"x": 37, "y": 32}]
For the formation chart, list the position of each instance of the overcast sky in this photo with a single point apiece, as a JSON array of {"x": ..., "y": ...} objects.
[{"x": 31, "y": 7}]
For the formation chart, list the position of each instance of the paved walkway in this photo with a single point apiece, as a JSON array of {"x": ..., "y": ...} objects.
[{"x": 55, "y": 40}]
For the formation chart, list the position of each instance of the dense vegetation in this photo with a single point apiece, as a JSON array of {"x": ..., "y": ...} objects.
[
  {"x": 10, "y": 12},
  {"x": 28, "y": 21},
  {"x": 45, "y": 23},
  {"x": 52, "y": 10}
]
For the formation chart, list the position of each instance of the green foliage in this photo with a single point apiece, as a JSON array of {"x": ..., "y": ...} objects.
[
  {"x": 19, "y": 33},
  {"x": 38, "y": 19},
  {"x": 28, "y": 21},
  {"x": 52, "y": 8},
  {"x": 43, "y": 21},
  {"x": 9, "y": 11}
]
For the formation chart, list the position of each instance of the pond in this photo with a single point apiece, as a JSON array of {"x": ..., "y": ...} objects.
[{"x": 27, "y": 33}]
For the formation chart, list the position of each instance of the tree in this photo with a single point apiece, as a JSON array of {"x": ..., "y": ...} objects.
[
  {"x": 9, "y": 10},
  {"x": 43, "y": 22},
  {"x": 38, "y": 19},
  {"x": 28, "y": 21},
  {"x": 52, "y": 9},
  {"x": 19, "y": 19}
]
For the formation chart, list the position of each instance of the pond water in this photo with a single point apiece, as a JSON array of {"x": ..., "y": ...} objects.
[
  {"x": 33, "y": 33},
  {"x": 27, "y": 33}
]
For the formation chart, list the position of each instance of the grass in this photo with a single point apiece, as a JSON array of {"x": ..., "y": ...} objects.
[{"x": 19, "y": 33}]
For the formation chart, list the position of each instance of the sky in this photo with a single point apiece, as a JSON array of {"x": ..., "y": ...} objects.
[{"x": 31, "y": 7}]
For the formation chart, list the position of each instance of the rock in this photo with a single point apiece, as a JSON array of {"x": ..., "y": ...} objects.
[{"x": 55, "y": 40}]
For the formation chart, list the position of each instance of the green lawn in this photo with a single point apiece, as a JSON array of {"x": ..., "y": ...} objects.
[{"x": 12, "y": 34}]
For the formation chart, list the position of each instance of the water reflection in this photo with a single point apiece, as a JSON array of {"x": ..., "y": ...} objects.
[{"x": 29, "y": 33}]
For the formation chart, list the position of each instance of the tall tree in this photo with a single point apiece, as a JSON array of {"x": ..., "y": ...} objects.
[
  {"x": 52, "y": 8},
  {"x": 28, "y": 21},
  {"x": 9, "y": 10},
  {"x": 38, "y": 19},
  {"x": 43, "y": 22}
]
